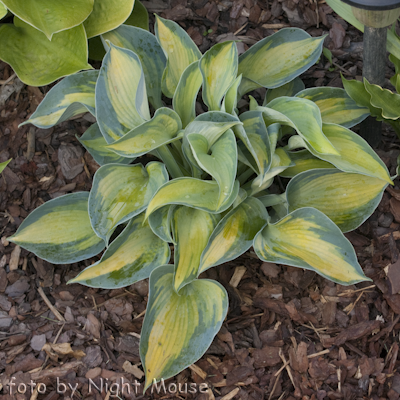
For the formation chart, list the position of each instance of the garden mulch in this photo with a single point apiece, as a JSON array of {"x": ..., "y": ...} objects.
[{"x": 289, "y": 333}]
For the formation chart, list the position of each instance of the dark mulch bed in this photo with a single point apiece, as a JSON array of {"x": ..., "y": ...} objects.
[{"x": 289, "y": 334}]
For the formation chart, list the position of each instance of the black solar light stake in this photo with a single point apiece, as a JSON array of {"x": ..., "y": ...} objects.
[{"x": 376, "y": 15}]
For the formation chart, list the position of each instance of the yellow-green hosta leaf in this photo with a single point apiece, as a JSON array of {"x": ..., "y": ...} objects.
[
  {"x": 219, "y": 67},
  {"x": 231, "y": 98},
  {"x": 385, "y": 100},
  {"x": 51, "y": 16},
  {"x": 221, "y": 164},
  {"x": 307, "y": 238},
  {"x": 150, "y": 53},
  {"x": 304, "y": 116},
  {"x": 38, "y": 61},
  {"x": 192, "y": 229},
  {"x": 121, "y": 99},
  {"x": 120, "y": 192},
  {"x": 59, "y": 231},
  {"x": 280, "y": 58},
  {"x": 303, "y": 161},
  {"x": 139, "y": 16},
  {"x": 107, "y": 15},
  {"x": 96, "y": 145},
  {"x": 179, "y": 49},
  {"x": 288, "y": 89},
  {"x": 179, "y": 328},
  {"x": 131, "y": 257},
  {"x": 356, "y": 155},
  {"x": 72, "y": 96},
  {"x": 234, "y": 234},
  {"x": 184, "y": 101},
  {"x": 191, "y": 192},
  {"x": 4, "y": 164},
  {"x": 3, "y": 11},
  {"x": 160, "y": 130},
  {"x": 347, "y": 199},
  {"x": 336, "y": 106}
]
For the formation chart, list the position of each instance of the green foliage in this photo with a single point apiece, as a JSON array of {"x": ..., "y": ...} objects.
[
  {"x": 212, "y": 192},
  {"x": 49, "y": 39}
]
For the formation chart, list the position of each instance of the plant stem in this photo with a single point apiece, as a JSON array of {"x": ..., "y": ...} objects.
[{"x": 167, "y": 158}]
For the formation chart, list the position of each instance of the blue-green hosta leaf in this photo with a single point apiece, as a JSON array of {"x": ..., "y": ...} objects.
[
  {"x": 221, "y": 164},
  {"x": 59, "y": 231},
  {"x": 288, "y": 89},
  {"x": 231, "y": 98},
  {"x": 192, "y": 229},
  {"x": 347, "y": 199},
  {"x": 191, "y": 192},
  {"x": 160, "y": 222},
  {"x": 4, "y": 164},
  {"x": 336, "y": 106},
  {"x": 120, "y": 192},
  {"x": 38, "y": 61},
  {"x": 51, "y": 16},
  {"x": 234, "y": 234},
  {"x": 184, "y": 101},
  {"x": 303, "y": 161},
  {"x": 72, "y": 96},
  {"x": 121, "y": 99},
  {"x": 356, "y": 155},
  {"x": 131, "y": 257},
  {"x": 219, "y": 67},
  {"x": 179, "y": 328},
  {"x": 280, "y": 58},
  {"x": 307, "y": 238},
  {"x": 179, "y": 49},
  {"x": 385, "y": 100},
  {"x": 150, "y": 53},
  {"x": 96, "y": 145},
  {"x": 107, "y": 15},
  {"x": 160, "y": 130},
  {"x": 304, "y": 116}
]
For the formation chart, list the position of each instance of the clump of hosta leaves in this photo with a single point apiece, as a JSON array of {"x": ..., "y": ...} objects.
[{"x": 210, "y": 190}]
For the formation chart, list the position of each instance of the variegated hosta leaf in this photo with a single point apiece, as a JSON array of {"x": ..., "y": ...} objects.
[
  {"x": 280, "y": 58},
  {"x": 150, "y": 53},
  {"x": 120, "y": 192},
  {"x": 303, "y": 161},
  {"x": 307, "y": 238},
  {"x": 107, "y": 15},
  {"x": 96, "y": 145},
  {"x": 179, "y": 328},
  {"x": 59, "y": 231},
  {"x": 192, "y": 229},
  {"x": 179, "y": 49},
  {"x": 160, "y": 130},
  {"x": 121, "y": 99},
  {"x": 336, "y": 106},
  {"x": 191, "y": 192},
  {"x": 385, "y": 100},
  {"x": 219, "y": 67},
  {"x": 3, "y": 11},
  {"x": 356, "y": 90},
  {"x": 304, "y": 116},
  {"x": 131, "y": 257},
  {"x": 3, "y": 165},
  {"x": 160, "y": 222},
  {"x": 184, "y": 101},
  {"x": 288, "y": 89},
  {"x": 234, "y": 234},
  {"x": 221, "y": 164},
  {"x": 51, "y": 16},
  {"x": 356, "y": 155},
  {"x": 25, "y": 48},
  {"x": 72, "y": 96},
  {"x": 231, "y": 98},
  {"x": 347, "y": 199}
]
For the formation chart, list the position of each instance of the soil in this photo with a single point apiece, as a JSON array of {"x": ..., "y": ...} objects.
[{"x": 289, "y": 334}]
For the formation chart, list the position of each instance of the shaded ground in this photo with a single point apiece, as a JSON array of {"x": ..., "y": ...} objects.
[{"x": 289, "y": 334}]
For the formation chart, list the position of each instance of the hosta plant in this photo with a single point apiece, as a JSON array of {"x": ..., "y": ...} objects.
[
  {"x": 208, "y": 187},
  {"x": 48, "y": 39}
]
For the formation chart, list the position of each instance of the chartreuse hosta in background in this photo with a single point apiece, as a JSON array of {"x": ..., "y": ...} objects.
[
  {"x": 210, "y": 190},
  {"x": 49, "y": 38}
]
